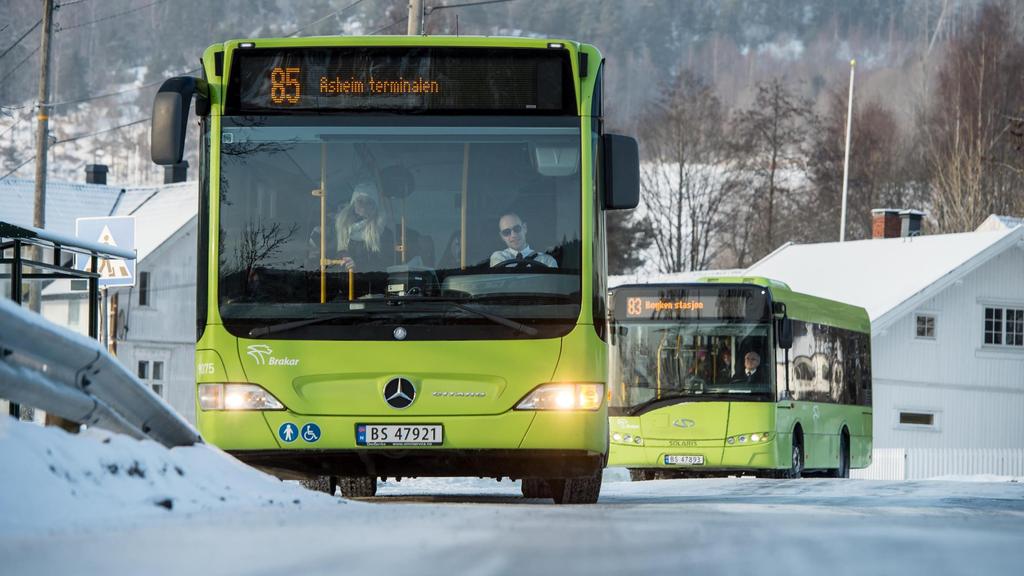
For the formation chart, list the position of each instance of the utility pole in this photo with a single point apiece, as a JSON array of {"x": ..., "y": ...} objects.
[
  {"x": 415, "y": 18},
  {"x": 846, "y": 160},
  {"x": 42, "y": 141}
]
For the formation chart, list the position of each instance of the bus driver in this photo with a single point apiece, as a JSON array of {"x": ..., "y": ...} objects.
[{"x": 513, "y": 233}]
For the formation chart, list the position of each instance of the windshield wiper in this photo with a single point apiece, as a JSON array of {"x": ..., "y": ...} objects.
[
  {"x": 647, "y": 403},
  {"x": 458, "y": 303},
  {"x": 286, "y": 326},
  {"x": 454, "y": 302}
]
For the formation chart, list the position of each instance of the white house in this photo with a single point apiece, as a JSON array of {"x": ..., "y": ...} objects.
[
  {"x": 154, "y": 324},
  {"x": 947, "y": 315}
]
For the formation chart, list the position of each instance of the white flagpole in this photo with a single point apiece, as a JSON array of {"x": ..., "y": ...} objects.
[{"x": 846, "y": 160}]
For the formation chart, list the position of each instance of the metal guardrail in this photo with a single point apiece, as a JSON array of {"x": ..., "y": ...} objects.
[{"x": 67, "y": 374}]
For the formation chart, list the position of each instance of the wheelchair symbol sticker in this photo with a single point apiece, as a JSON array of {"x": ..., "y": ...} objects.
[
  {"x": 310, "y": 432},
  {"x": 288, "y": 432}
]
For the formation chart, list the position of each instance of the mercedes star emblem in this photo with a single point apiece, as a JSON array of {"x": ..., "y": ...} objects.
[
  {"x": 399, "y": 393},
  {"x": 400, "y": 333}
]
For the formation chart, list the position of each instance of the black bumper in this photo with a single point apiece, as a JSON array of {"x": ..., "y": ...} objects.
[{"x": 514, "y": 464}]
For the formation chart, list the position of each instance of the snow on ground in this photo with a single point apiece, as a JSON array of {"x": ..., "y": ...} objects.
[
  {"x": 50, "y": 479},
  {"x": 90, "y": 504}
]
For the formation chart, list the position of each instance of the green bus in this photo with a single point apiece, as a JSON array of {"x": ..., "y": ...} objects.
[
  {"x": 737, "y": 376},
  {"x": 401, "y": 265}
]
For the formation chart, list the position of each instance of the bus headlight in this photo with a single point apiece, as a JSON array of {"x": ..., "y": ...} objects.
[
  {"x": 237, "y": 397},
  {"x": 563, "y": 397},
  {"x": 752, "y": 438}
]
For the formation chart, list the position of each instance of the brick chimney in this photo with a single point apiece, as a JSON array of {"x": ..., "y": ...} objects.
[
  {"x": 885, "y": 223},
  {"x": 176, "y": 172},
  {"x": 96, "y": 174}
]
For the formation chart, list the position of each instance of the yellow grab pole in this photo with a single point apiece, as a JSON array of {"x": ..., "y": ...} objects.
[{"x": 465, "y": 201}]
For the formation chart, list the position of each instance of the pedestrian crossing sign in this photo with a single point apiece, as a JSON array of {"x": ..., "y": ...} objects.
[{"x": 117, "y": 231}]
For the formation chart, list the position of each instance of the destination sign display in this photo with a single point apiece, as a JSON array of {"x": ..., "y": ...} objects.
[
  {"x": 699, "y": 303},
  {"x": 417, "y": 79}
]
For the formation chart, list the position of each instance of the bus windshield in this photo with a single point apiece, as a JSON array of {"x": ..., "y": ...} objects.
[
  {"x": 382, "y": 220},
  {"x": 689, "y": 362}
]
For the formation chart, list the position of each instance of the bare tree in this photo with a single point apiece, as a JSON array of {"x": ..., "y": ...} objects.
[
  {"x": 770, "y": 135},
  {"x": 629, "y": 236},
  {"x": 688, "y": 173},
  {"x": 976, "y": 169},
  {"x": 883, "y": 171}
]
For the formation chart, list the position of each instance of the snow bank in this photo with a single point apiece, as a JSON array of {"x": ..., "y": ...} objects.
[{"x": 50, "y": 479}]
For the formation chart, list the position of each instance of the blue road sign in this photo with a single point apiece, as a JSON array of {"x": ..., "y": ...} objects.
[
  {"x": 288, "y": 432},
  {"x": 310, "y": 432},
  {"x": 114, "y": 231}
]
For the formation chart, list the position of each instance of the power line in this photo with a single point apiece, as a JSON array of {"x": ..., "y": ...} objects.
[
  {"x": 79, "y": 137},
  {"x": 335, "y": 13},
  {"x": 105, "y": 130},
  {"x": 22, "y": 37},
  {"x": 15, "y": 125},
  {"x": 18, "y": 65},
  {"x": 16, "y": 168},
  {"x": 109, "y": 94},
  {"x": 68, "y": 3},
  {"x": 399, "y": 21},
  {"x": 480, "y": 3},
  {"x": 109, "y": 16}
]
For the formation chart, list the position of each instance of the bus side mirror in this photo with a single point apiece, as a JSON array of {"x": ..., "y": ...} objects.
[
  {"x": 170, "y": 117},
  {"x": 784, "y": 332},
  {"x": 621, "y": 172}
]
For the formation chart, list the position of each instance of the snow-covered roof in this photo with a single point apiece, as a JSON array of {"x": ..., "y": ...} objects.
[
  {"x": 886, "y": 276},
  {"x": 65, "y": 201},
  {"x": 996, "y": 222},
  {"x": 159, "y": 213},
  {"x": 673, "y": 278}
]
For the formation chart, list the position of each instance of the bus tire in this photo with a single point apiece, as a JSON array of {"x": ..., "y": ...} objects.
[
  {"x": 796, "y": 466},
  {"x": 323, "y": 484},
  {"x": 844, "y": 457},
  {"x": 358, "y": 486},
  {"x": 583, "y": 490},
  {"x": 640, "y": 475},
  {"x": 535, "y": 488}
]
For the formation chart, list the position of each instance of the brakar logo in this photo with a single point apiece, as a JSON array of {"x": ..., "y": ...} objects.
[{"x": 263, "y": 354}]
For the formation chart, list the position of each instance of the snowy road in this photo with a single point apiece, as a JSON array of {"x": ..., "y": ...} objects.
[
  {"x": 101, "y": 504},
  {"x": 728, "y": 526}
]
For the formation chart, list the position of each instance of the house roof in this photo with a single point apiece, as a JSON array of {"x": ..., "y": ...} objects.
[
  {"x": 998, "y": 222},
  {"x": 159, "y": 211},
  {"x": 65, "y": 201},
  {"x": 888, "y": 277},
  {"x": 674, "y": 278}
]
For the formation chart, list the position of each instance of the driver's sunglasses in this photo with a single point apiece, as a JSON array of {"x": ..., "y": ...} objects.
[{"x": 506, "y": 232}]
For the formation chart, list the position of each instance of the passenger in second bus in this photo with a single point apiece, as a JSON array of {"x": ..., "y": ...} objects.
[{"x": 513, "y": 233}]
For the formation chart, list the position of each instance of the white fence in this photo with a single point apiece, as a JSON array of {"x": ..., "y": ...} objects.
[{"x": 920, "y": 463}]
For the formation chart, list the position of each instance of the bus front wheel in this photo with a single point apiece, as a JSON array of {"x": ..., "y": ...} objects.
[
  {"x": 796, "y": 466},
  {"x": 358, "y": 486},
  {"x": 583, "y": 490},
  {"x": 640, "y": 475},
  {"x": 324, "y": 484},
  {"x": 535, "y": 488}
]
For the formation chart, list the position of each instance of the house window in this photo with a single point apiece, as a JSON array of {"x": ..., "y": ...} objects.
[
  {"x": 143, "y": 288},
  {"x": 1004, "y": 326},
  {"x": 917, "y": 419},
  {"x": 143, "y": 369},
  {"x": 159, "y": 390},
  {"x": 158, "y": 370},
  {"x": 74, "y": 313},
  {"x": 925, "y": 326}
]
